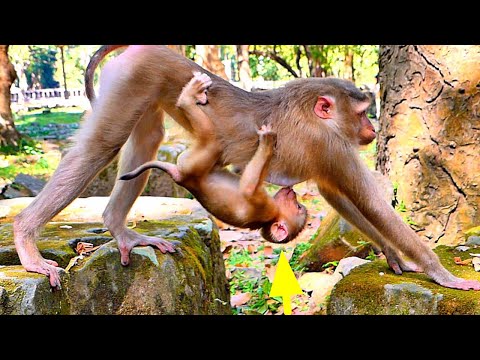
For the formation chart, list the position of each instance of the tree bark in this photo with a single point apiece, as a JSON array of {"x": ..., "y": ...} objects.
[
  {"x": 208, "y": 57},
  {"x": 349, "y": 70},
  {"x": 429, "y": 140},
  {"x": 180, "y": 49},
  {"x": 8, "y": 133},
  {"x": 244, "y": 73}
]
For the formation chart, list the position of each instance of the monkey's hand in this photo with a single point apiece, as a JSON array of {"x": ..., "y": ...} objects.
[
  {"x": 195, "y": 91},
  {"x": 128, "y": 239},
  {"x": 267, "y": 136}
]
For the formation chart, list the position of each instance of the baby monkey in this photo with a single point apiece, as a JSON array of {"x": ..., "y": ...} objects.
[{"x": 236, "y": 200}]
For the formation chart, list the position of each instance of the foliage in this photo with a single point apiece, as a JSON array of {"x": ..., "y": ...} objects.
[
  {"x": 240, "y": 258},
  {"x": 25, "y": 146},
  {"x": 284, "y": 62},
  {"x": 40, "y": 66},
  {"x": 260, "y": 302},
  {"x": 297, "y": 253}
]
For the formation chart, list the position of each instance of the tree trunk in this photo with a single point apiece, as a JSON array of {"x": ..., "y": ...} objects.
[
  {"x": 429, "y": 141},
  {"x": 8, "y": 134},
  {"x": 208, "y": 57},
  {"x": 244, "y": 73},
  {"x": 180, "y": 49},
  {"x": 349, "y": 70}
]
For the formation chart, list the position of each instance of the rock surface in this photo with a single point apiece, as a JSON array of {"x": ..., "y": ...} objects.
[
  {"x": 191, "y": 281},
  {"x": 366, "y": 291},
  {"x": 336, "y": 240}
]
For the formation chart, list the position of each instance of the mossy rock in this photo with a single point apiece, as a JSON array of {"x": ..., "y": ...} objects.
[
  {"x": 337, "y": 239},
  {"x": 373, "y": 289},
  {"x": 55, "y": 242},
  {"x": 191, "y": 281}
]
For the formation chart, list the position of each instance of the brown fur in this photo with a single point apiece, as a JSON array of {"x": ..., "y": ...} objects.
[
  {"x": 238, "y": 201},
  {"x": 138, "y": 85}
]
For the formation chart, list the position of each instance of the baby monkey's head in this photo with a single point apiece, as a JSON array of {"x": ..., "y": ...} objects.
[{"x": 291, "y": 220}]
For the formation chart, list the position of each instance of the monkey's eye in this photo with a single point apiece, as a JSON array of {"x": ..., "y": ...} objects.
[{"x": 299, "y": 207}]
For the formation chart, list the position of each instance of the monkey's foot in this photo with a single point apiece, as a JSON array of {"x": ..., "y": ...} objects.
[
  {"x": 399, "y": 265},
  {"x": 46, "y": 267},
  {"x": 129, "y": 239},
  {"x": 461, "y": 284}
]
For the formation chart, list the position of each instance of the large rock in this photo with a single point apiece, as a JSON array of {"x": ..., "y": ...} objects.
[
  {"x": 373, "y": 289},
  {"x": 337, "y": 239},
  {"x": 191, "y": 281},
  {"x": 159, "y": 183}
]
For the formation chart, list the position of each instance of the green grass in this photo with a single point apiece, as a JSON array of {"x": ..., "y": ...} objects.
[{"x": 56, "y": 116}]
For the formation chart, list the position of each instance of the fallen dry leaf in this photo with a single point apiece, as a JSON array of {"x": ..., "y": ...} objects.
[
  {"x": 226, "y": 249},
  {"x": 268, "y": 251},
  {"x": 84, "y": 248},
  {"x": 458, "y": 260},
  {"x": 240, "y": 299},
  {"x": 252, "y": 248},
  {"x": 270, "y": 272}
]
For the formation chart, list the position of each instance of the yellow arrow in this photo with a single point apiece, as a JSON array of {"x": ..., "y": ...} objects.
[{"x": 285, "y": 284}]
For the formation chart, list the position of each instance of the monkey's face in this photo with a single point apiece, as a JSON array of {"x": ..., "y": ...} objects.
[
  {"x": 295, "y": 214},
  {"x": 366, "y": 132},
  {"x": 345, "y": 114}
]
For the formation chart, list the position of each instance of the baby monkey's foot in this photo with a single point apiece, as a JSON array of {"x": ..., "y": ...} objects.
[
  {"x": 198, "y": 87},
  {"x": 266, "y": 135}
]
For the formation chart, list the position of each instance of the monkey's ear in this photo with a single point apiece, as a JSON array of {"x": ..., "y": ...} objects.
[
  {"x": 324, "y": 107},
  {"x": 279, "y": 230}
]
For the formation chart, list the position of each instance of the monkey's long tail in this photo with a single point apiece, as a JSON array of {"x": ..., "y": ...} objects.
[
  {"x": 92, "y": 65},
  {"x": 155, "y": 164}
]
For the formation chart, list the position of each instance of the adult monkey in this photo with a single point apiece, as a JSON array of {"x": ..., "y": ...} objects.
[{"x": 319, "y": 125}]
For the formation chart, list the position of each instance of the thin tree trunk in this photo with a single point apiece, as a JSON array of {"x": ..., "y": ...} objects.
[
  {"x": 244, "y": 72},
  {"x": 8, "y": 133},
  {"x": 208, "y": 57},
  {"x": 349, "y": 70}
]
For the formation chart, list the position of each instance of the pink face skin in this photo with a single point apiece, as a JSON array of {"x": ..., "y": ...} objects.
[
  {"x": 286, "y": 198},
  {"x": 325, "y": 109}
]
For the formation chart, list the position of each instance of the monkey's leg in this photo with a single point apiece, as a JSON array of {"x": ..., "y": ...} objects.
[
  {"x": 74, "y": 173},
  {"x": 350, "y": 213},
  {"x": 104, "y": 132},
  {"x": 141, "y": 147},
  {"x": 392, "y": 228}
]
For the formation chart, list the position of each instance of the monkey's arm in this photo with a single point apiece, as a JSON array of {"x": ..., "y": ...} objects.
[
  {"x": 380, "y": 221},
  {"x": 256, "y": 170},
  {"x": 351, "y": 213}
]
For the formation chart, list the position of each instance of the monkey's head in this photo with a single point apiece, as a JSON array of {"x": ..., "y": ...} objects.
[
  {"x": 344, "y": 109},
  {"x": 291, "y": 220},
  {"x": 336, "y": 103}
]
